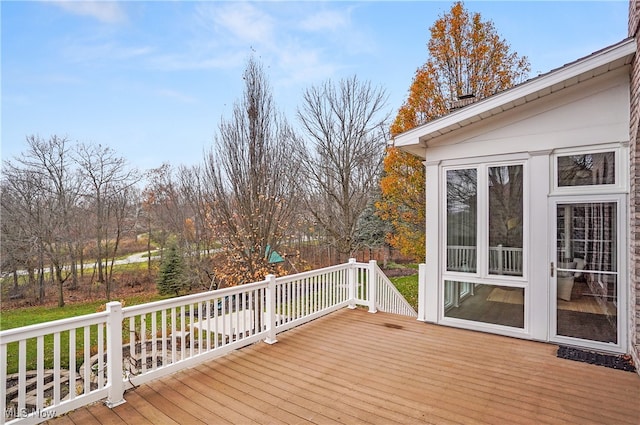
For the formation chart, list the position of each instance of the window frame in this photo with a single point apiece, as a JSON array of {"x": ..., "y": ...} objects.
[
  {"x": 620, "y": 171},
  {"x": 482, "y": 274}
]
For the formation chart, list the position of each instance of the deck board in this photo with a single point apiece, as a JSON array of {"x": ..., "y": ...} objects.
[{"x": 353, "y": 367}]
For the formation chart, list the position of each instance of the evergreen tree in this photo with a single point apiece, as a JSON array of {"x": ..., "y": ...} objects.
[{"x": 171, "y": 279}]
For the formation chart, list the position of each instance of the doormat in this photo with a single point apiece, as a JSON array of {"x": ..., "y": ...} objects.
[{"x": 621, "y": 362}]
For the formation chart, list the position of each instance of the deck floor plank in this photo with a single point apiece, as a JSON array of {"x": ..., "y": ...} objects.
[
  {"x": 127, "y": 413},
  {"x": 381, "y": 365},
  {"x": 96, "y": 411},
  {"x": 275, "y": 406},
  {"x": 512, "y": 393},
  {"x": 83, "y": 417},
  {"x": 199, "y": 400},
  {"x": 353, "y": 367},
  {"x": 234, "y": 411},
  {"x": 263, "y": 389}
]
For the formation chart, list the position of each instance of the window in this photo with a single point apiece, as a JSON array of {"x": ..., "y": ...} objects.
[
  {"x": 498, "y": 192},
  {"x": 497, "y": 305},
  {"x": 485, "y": 238},
  {"x": 587, "y": 169},
  {"x": 462, "y": 222},
  {"x": 505, "y": 220}
]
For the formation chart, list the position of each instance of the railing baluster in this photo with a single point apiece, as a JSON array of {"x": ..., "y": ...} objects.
[
  {"x": 236, "y": 328},
  {"x": 173, "y": 335},
  {"x": 182, "y": 334},
  {"x": 143, "y": 343},
  {"x": 56, "y": 368},
  {"x": 72, "y": 364},
  {"x": 100, "y": 361},
  {"x": 40, "y": 372},
  {"x": 163, "y": 319},
  {"x": 208, "y": 318},
  {"x": 154, "y": 340},
  {"x": 86, "y": 349},
  {"x": 22, "y": 373},
  {"x": 198, "y": 331},
  {"x": 132, "y": 344},
  {"x": 191, "y": 331}
]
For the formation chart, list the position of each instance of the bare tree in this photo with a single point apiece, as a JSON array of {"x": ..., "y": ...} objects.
[
  {"x": 105, "y": 175},
  {"x": 176, "y": 206},
  {"x": 20, "y": 226},
  {"x": 165, "y": 205},
  {"x": 47, "y": 183},
  {"x": 251, "y": 175},
  {"x": 121, "y": 217},
  {"x": 198, "y": 233},
  {"x": 345, "y": 128}
]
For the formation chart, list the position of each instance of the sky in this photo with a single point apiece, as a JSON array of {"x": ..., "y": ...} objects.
[{"x": 153, "y": 79}]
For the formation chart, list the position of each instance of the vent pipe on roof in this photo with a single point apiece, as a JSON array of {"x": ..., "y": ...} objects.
[{"x": 463, "y": 100}]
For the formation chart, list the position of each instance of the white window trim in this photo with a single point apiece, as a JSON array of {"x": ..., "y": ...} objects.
[
  {"x": 482, "y": 275},
  {"x": 621, "y": 174}
]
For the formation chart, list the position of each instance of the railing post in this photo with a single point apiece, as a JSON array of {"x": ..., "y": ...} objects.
[
  {"x": 500, "y": 260},
  {"x": 115, "y": 382},
  {"x": 422, "y": 292},
  {"x": 271, "y": 310},
  {"x": 372, "y": 285},
  {"x": 352, "y": 282}
]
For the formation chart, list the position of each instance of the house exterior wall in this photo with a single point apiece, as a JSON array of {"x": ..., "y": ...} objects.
[
  {"x": 593, "y": 113},
  {"x": 634, "y": 197}
]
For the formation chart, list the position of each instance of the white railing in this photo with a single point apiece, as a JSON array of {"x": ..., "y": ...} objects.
[
  {"x": 382, "y": 295},
  {"x": 59, "y": 382},
  {"x": 83, "y": 359},
  {"x": 502, "y": 260}
]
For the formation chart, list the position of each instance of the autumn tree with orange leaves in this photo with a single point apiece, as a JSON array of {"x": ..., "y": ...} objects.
[{"x": 467, "y": 57}]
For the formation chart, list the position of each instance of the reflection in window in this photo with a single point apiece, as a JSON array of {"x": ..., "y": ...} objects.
[
  {"x": 498, "y": 305},
  {"x": 586, "y": 170},
  {"x": 462, "y": 187},
  {"x": 505, "y": 220}
]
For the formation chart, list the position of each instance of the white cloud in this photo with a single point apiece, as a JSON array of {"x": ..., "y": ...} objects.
[
  {"x": 299, "y": 41},
  {"x": 303, "y": 66},
  {"x": 326, "y": 20},
  {"x": 238, "y": 22},
  {"x": 109, "y": 12}
]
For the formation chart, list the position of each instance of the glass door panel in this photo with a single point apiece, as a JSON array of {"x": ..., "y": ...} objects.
[
  {"x": 587, "y": 273},
  {"x": 486, "y": 303},
  {"x": 506, "y": 231},
  {"x": 462, "y": 219}
]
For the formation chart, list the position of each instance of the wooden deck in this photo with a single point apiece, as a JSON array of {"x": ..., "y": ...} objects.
[{"x": 353, "y": 367}]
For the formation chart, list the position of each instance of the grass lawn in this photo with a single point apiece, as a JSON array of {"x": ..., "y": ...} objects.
[
  {"x": 408, "y": 287},
  {"x": 18, "y": 317}
]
